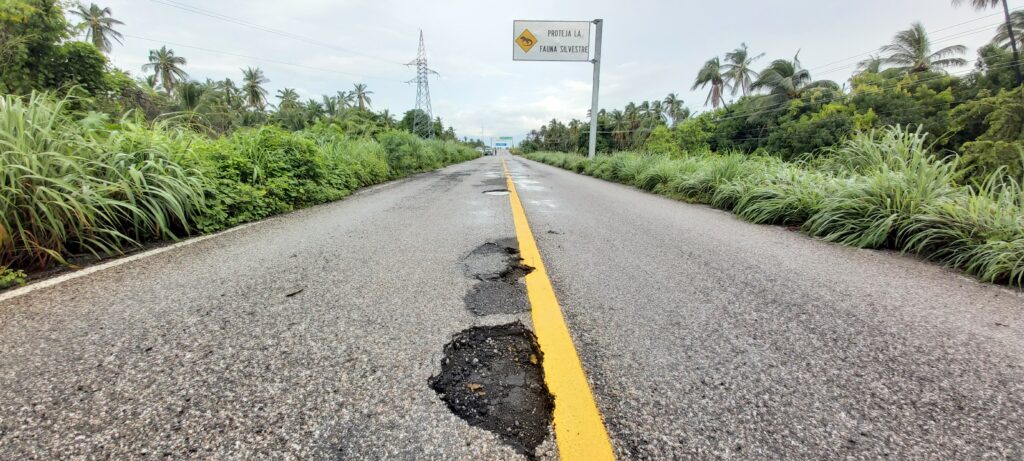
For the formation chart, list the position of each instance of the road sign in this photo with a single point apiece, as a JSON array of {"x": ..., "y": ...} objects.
[
  {"x": 505, "y": 138},
  {"x": 551, "y": 40},
  {"x": 562, "y": 41},
  {"x": 501, "y": 145}
]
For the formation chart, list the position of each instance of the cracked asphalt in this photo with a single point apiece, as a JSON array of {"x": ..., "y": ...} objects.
[
  {"x": 199, "y": 353},
  {"x": 703, "y": 336},
  {"x": 708, "y": 337}
]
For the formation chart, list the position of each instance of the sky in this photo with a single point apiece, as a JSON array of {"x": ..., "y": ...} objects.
[{"x": 650, "y": 48}]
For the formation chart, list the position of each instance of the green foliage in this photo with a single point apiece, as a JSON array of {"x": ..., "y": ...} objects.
[
  {"x": 66, "y": 187},
  {"x": 663, "y": 141},
  {"x": 78, "y": 64},
  {"x": 992, "y": 131},
  {"x": 74, "y": 183},
  {"x": 878, "y": 189},
  {"x": 984, "y": 158},
  {"x": 694, "y": 134},
  {"x": 11, "y": 277},
  {"x": 30, "y": 35}
]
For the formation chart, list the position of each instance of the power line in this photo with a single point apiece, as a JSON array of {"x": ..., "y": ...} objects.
[
  {"x": 285, "y": 63},
  {"x": 241, "y": 22},
  {"x": 939, "y": 40},
  {"x": 879, "y": 49}
]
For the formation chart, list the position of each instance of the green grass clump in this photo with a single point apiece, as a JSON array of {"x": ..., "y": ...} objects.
[
  {"x": 896, "y": 181},
  {"x": 879, "y": 189},
  {"x": 66, "y": 188}
]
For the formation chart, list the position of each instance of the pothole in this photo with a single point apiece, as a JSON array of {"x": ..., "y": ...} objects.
[
  {"x": 496, "y": 192},
  {"x": 499, "y": 268},
  {"x": 491, "y": 376},
  {"x": 496, "y": 182}
]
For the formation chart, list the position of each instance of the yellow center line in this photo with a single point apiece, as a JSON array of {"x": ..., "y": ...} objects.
[{"x": 579, "y": 430}]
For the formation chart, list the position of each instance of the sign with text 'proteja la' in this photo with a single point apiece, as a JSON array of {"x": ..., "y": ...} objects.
[
  {"x": 562, "y": 41},
  {"x": 551, "y": 40}
]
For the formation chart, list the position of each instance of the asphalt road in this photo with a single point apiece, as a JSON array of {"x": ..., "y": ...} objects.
[{"x": 313, "y": 336}]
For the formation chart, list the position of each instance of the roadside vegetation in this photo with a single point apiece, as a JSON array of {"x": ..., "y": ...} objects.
[
  {"x": 909, "y": 154},
  {"x": 879, "y": 189},
  {"x": 96, "y": 162}
]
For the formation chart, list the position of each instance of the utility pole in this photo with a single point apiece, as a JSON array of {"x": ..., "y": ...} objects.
[
  {"x": 423, "y": 116},
  {"x": 597, "y": 84}
]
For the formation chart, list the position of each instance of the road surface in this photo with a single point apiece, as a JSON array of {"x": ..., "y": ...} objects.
[{"x": 315, "y": 335}]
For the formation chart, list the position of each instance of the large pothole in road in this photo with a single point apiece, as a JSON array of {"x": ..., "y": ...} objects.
[
  {"x": 491, "y": 376},
  {"x": 499, "y": 269}
]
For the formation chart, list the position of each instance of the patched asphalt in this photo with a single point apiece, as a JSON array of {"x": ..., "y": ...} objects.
[
  {"x": 311, "y": 335},
  {"x": 708, "y": 337}
]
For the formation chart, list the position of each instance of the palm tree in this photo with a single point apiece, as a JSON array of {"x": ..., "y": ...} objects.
[
  {"x": 231, "y": 94},
  {"x": 673, "y": 108},
  {"x": 289, "y": 99},
  {"x": 658, "y": 110},
  {"x": 711, "y": 74},
  {"x": 911, "y": 51},
  {"x": 149, "y": 82},
  {"x": 1008, "y": 27},
  {"x": 785, "y": 80},
  {"x": 361, "y": 96},
  {"x": 387, "y": 120},
  {"x": 99, "y": 26},
  {"x": 737, "y": 69},
  {"x": 314, "y": 110},
  {"x": 330, "y": 106},
  {"x": 167, "y": 67},
  {"x": 346, "y": 99},
  {"x": 252, "y": 88},
  {"x": 190, "y": 95},
  {"x": 1016, "y": 25},
  {"x": 620, "y": 127},
  {"x": 872, "y": 65}
]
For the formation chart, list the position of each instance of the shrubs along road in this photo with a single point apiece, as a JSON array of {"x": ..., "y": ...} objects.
[
  {"x": 880, "y": 189},
  {"x": 77, "y": 184}
]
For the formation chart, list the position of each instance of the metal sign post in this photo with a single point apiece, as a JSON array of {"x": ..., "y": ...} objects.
[
  {"x": 562, "y": 41},
  {"x": 597, "y": 84}
]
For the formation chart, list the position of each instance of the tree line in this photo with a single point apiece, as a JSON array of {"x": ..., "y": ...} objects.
[
  {"x": 781, "y": 109},
  {"x": 39, "y": 51}
]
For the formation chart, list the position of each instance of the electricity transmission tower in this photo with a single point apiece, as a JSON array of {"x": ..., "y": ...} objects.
[{"x": 423, "y": 117}]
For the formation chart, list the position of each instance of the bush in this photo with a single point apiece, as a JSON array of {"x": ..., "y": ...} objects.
[{"x": 406, "y": 153}]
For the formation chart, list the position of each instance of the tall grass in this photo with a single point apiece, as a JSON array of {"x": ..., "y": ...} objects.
[
  {"x": 66, "y": 189},
  {"x": 880, "y": 189},
  {"x": 72, "y": 184}
]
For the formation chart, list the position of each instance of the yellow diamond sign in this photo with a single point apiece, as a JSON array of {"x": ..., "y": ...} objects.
[{"x": 526, "y": 40}]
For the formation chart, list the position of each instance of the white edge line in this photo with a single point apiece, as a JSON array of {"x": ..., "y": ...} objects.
[
  {"x": 145, "y": 254},
  {"x": 113, "y": 263}
]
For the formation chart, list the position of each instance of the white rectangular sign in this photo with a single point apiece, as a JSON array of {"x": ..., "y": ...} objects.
[{"x": 551, "y": 40}]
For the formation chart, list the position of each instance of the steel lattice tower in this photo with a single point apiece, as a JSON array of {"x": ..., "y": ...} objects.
[{"x": 423, "y": 110}]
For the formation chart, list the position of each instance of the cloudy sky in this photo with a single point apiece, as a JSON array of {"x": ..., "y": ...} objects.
[{"x": 651, "y": 47}]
